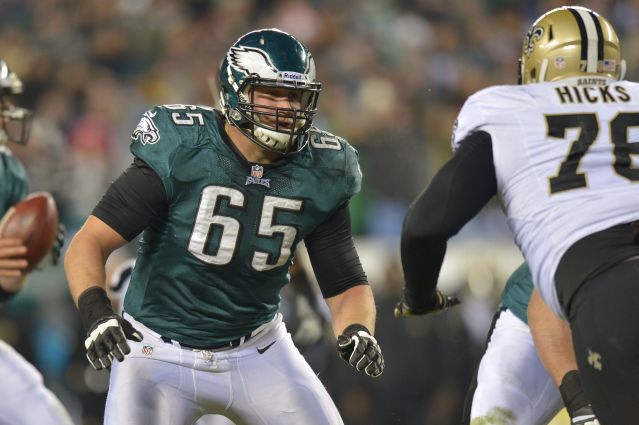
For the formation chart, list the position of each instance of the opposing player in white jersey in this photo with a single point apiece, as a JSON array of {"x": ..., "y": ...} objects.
[{"x": 559, "y": 150}]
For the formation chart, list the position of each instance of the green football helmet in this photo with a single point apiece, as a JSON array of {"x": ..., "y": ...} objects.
[
  {"x": 269, "y": 58},
  {"x": 15, "y": 122}
]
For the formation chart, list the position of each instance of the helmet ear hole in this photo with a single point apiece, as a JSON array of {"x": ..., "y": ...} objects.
[{"x": 533, "y": 74}]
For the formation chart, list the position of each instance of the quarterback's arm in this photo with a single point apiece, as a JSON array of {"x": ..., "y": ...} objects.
[
  {"x": 553, "y": 341},
  {"x": 457, "y": 193},
  {"x": 345, "y": 288}
]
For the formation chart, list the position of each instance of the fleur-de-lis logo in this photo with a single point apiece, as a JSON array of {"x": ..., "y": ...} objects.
[
  {"x": 532, "y": 36},
  {"x": 594, "y": 360}
]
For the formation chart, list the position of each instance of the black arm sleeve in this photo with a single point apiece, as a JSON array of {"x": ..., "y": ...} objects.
[
  {"x": 333, "y": 255},
  {"x": 457, "y": 193},
  {"x": 133, "y": 200}
]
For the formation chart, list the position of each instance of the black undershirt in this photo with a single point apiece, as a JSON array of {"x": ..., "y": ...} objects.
[
  {"x": 457, "y": 193},
  {"x": 138, "y": 197}
]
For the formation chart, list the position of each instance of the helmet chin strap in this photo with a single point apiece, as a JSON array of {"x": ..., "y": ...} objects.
[{"x": 622, "y": 71}]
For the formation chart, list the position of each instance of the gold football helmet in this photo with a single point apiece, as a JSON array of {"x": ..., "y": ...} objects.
[{"x": 567, "y": 42}]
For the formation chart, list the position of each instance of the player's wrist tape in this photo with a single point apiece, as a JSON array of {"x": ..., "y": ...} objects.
[
  {"x": 572, "y": 392},
  {"x": 94, "y": 305},
  {"x": 354, "y": 328}
]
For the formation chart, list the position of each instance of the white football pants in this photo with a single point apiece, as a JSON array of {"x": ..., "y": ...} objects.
[
  {"x": 513, "y": 387},
  {"x": 163, "y": 384},
  {"x": 24, "y": 400}
]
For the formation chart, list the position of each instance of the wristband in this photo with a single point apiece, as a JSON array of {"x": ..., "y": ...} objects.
[
  {"x": 94, "y": 305},
  {"x": 572, "y": 393},
  {"x": 354, "y": 328}
]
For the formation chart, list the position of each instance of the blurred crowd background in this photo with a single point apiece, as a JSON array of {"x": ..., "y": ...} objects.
[{"x": 395, "y": 74}]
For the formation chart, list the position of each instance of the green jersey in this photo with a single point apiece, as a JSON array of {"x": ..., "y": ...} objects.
[
  {"x": 516, "y": 294},
  {"x": 210, "y": 270},
  {"x": 15, "y": 184}
]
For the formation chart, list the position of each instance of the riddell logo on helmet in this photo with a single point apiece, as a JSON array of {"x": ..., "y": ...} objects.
[{"x": 292, "y": 76}]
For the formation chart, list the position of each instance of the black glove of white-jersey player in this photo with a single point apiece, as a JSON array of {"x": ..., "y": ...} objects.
[
  {"x": 584, "y": 416},
  {"x": 106, "y": 332},
  {"x": 438, "y": 303},
  {"x": 360, "y": 349},
  {"x": 576, "y": 402}
]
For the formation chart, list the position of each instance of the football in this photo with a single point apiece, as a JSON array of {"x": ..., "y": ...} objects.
[{"x": 34, "y": 220}]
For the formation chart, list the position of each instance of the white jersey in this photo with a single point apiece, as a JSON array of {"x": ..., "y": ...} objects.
[{"x": 566, "y": 163}]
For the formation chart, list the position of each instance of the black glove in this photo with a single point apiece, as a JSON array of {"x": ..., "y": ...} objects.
[
  {"x": 439, "y": 302},
  {"x": 584, "y": 416},
  {"x": 360, "y": 349},
  {"x": 575, "y": 400},
  {"x": 56, "y": 249},
  {"x": 106, "y": 332}
]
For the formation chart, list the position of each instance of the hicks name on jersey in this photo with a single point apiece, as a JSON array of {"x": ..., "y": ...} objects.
[{"x": 592, "y": 94}]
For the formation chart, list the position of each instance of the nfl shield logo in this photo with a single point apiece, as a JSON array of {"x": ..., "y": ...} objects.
[
  {"x": 257, "y": 171},
  {"x": 147, "y": 350}
]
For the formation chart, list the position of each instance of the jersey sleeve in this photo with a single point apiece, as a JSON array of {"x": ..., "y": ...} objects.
[
  {"x": 517, "y": 292},
  {"x": 15, "y": 181},
  {"x": 487, "y": 109},
  {"x": 353, "y": 171},
  {"x": 469, "y": 120},
  {"x": 21, "y": 183},
  {"x": 155, "y": 140}
]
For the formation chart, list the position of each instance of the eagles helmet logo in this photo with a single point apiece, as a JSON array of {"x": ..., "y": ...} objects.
[
  {"x": 146, "y": 131},
  {"x": 250, "y": 60},
  {"x": 533, "y": 35}
]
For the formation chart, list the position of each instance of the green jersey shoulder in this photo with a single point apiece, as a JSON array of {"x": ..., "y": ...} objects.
[
  {"x": 336, "y": 151},
  {"x": 15, "y": 184},
  {"x": 165, "y": 130},
  {"x": 516, "y": 294}
]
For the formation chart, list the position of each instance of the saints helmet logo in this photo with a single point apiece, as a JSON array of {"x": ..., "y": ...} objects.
[
  {"x": 529, "y": 41},
  {"x": 250, "y": 60},
  {"x": 146, "y": 132}
]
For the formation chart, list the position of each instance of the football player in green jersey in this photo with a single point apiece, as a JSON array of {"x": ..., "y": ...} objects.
[
  {"x": 223, "y": 197},
  {"x": 23, "y": 397},
  {"x": 528, "y": 366}
]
